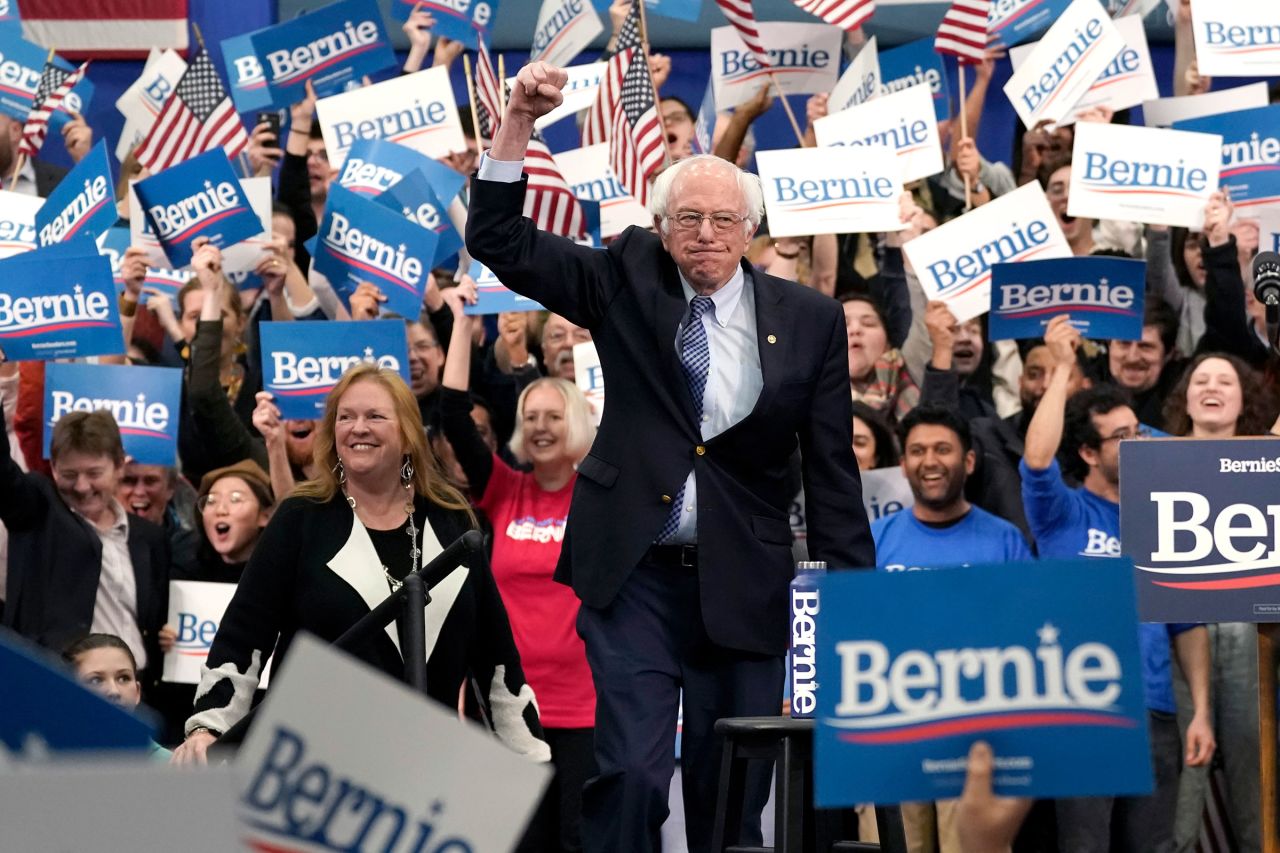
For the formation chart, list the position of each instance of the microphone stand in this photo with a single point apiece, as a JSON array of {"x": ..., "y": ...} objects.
[
  {"x": 1273, "y": 327},
  {"x": 407, "y": 605}
]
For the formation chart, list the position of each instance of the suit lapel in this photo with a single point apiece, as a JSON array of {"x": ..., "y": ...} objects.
[
  {"x": 773, "y": 326},
  {"x": 140, "y": 556}
]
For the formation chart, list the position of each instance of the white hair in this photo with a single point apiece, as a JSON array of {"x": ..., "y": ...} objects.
[{"x": 748, "y": 184}]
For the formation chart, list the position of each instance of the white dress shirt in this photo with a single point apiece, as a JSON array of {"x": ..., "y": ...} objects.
[{"x": 115, "y": 611}]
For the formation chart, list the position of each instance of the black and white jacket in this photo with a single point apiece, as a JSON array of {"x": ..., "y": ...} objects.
[{"x": 315, "y": 569}]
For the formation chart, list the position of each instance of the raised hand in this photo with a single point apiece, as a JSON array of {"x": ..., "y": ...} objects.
[
  {"x": 1217, "y": 219},
  {"x": 537, "y": 91},
  {"x": 1062, "y": 339},
  {"x": 264, "y": 150},
  {"x": 366, "y": 302},
  {"x": 77, "y": 136}
]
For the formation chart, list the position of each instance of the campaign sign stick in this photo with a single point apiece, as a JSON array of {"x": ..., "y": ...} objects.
[
  {"x": 417, "y": 110},
  {"x": 587, "y": 172},
  {"x": 954, "y": 261},
  {"x": 1104, "y": 296},
  {"x": 301, "y": 362},
  {"x": 17, "y": 222},
  {"x": 1128, "y": 81},
  {"x": 83, "y": 204},
  {"x": 361, "y": 240},
  {"x": 414, "y": 199},
  {"x": 1064, "y": 64},
  {"x": 145, "y": 401},
  {"x": 915, "y": 64},
  {"x": 330, "y": 47},
  {"x": 247, "y": 84},
  {"x": 58, "y": 302},
  {"x": 1011, "y": 22},
  {"x": 802, "y": 196},
  {"x": 1250, "y": 153},
  {"x": 1236, "y": 38},
  {"x": 860, "y": 82},
  {"x": 1038, "y": 659},
  {"x": 1163, "y": 112},
  {"x": 200, "y": 197},
  {"x": 1200, "y": 520},
  {"x": 1143, "y": 174},
  {"x": 114, "y": 243},
  {"x": 565, "y": 28},
  {"x": 494, "y": 297},
  {"x": 356, "y": 741},
  {"x": 374, "y": 166},
  {"x": 460, "y": 20},
  {"x": 805, "y": 60},
  {"x": 904, "y": 121}
]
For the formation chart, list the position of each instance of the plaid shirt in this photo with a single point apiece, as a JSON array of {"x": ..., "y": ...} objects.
[{"x": 888, "y": 388}]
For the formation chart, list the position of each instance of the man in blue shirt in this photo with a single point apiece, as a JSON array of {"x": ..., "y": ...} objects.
[
  {"x": 941, "y": 529},
  {"x": 1085, "y": 433}
]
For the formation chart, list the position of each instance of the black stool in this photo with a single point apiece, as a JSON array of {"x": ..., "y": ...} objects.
[{"x": 798, "y": 827}]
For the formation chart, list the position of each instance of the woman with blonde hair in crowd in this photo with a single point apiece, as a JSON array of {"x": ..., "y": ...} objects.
[{"x": 378, "y": 509}]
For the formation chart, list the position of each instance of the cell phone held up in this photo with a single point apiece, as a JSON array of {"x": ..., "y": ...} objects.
[{"x": 273, "y": 119}]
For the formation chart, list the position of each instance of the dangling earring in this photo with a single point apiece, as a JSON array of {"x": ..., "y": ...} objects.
[
  {"x": 340, "y": 473},
  {"x": 406, "y": 472}
]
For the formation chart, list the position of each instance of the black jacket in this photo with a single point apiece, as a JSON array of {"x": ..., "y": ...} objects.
[
  {"x": 48, "y": 176},
  {"x": 630, "y": 297}
]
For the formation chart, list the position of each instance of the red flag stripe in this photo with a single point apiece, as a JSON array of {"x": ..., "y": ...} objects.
[
  {"x": 742, "y": 16},
  {"x": 846, "y": 14}
]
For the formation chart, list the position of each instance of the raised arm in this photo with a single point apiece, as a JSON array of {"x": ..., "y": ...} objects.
[
  {"x": 455, "y": 405},
  {"x": 1044, "y": 433}
]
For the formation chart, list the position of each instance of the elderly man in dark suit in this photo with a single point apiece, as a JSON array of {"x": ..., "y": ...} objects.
[{"x": 678, "y": 540}]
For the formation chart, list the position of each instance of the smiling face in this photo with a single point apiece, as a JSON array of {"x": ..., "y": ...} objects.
[
  {"x": 88, "y": 483},
  {"x": 1215, "y": 398},
  {"x": 426, "y": 358},
  {"x": 233, "y": 518},
  {"x": 109, "y": 673},
  {"x": 545, "y": 427},
  {"x": 367, "y": 433},
  {"x": 1136, "y": 365},
  {"x": 966, "y": 350},
  {"x": 936, "y": 465},
  {"x": 866, "y": 337},
  {"x": 1074, "y": 228},
  {"x": 864, "y": 444},
  {"x": 145, "y": 490},
  {"x": 707, "y": 257}
]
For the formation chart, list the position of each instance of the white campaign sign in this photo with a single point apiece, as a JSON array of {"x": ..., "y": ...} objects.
[
  {"x": 1064, "y": 64},
  {"x": 247, "y": 254},
  {"x": 587, "y": 172},
  {"x": 589, "y": 378},
  {"x": 1269, "y": 229},
  {"x": 1163, "y": 112},
  {"x": 417, "y": 110},
  {"x": 1128, "y": 81},
  {"x": 860, "y": 82},
  {"x": 17, "y": 222},
  {"x": 1141, "y": 174},
  {"x": 1237, "y": 38},
  {"x": 321, "y": 763},
  {"x": 903, "y": 121},
  {"x": 830, "y": 190},
  {"x": 805, "y": 57},
  {"x": 579, "y": 91},
  {"x": 953, "y": 261},
  {"x": 195, "y": 611},
  {"x": 565, "y": 28},
  {"x": 885, "y": 491},
  {"x": 143, "y": 100}
]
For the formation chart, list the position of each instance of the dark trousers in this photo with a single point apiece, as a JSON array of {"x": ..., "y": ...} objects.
[
  {"x": 1129, "y": 824},
  {"x": 556, "y": 826},
  {"x": 646, "y": 646}
]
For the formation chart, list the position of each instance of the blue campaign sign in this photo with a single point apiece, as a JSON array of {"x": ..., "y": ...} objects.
[
  {"x": 361, "y": 240},
  {"x": 374, "y": 166},
  {"x": 58, "y": 302},
  {"x": 591, "y": 215},
  {"x": 83, "y": 204},
  {"x": 1104, "y": 296},
  {"x": 1201, "y": 521},
  {"x": 301, "y": 362},
  {"x": 10, "y": 16},
  {"x": 45, "y": 707},
  {"x": 77, "y": 100},
  {"x": 1250, "y": 152},
  {"x": 200, "y": 197},
  {"x": 332, "y": 46},
  {"x": 145, "y": 401},
  {"x": 494, "y": 297},
  {"x": 914, "y": 64},
  {"x": 681, "y": 10},
  {"x": 461, "y": 20},
  {"x": 1011, "y": 22},
  {"x": 248, "y": 85},
  {"x": 414, "y": 198},
  {"x": 114, "y": 243},
  {"x": 1040, "y": 660},
  {"x": 705, "y": 125},
  {"x": 22, "y": 62}
]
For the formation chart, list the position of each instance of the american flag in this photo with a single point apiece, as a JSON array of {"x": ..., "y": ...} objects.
[
  {"x": 963, "y": 31},
  {"x": 488, "y": 100},
  {"x": 630, "y": 43},
  {"x": 55, "y": 84},
  {"x": 637, "y": 145},
  {"x": 198, "y": 117},
  {"x": 845, "y": 14},
  {"x": 743, "y": 17}
]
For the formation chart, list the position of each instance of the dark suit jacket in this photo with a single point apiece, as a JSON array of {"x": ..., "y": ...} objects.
[
  {"x": 48, "y": 176},
  {"x": 630, "y": 297}
]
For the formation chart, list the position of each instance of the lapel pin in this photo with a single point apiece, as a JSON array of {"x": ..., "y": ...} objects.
[{"x": 773, "y": 339}]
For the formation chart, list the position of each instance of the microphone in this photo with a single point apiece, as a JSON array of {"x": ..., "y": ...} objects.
[{"x": 1266, "y": 278}]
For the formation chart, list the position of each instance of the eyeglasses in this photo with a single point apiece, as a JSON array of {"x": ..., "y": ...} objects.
[
  {"x": 688, "y": 220},
  {"x": 233, "y": 499},
  {"x": 1125, "y": 434}
]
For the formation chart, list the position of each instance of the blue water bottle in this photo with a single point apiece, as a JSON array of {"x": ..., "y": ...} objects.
[{"x": 803, "y": 652}]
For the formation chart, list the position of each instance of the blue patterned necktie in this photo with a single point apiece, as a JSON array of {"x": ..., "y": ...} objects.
[{"x": 695, "y": 359}]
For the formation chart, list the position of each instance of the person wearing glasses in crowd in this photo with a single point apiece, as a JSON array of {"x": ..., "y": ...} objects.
[{"x": 1085, "y": 433}]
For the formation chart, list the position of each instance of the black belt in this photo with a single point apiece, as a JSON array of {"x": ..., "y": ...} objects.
[{"x": 673, "y": 556}]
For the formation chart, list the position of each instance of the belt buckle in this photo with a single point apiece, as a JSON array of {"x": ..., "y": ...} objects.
[{"x": 689, "y": 556}]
